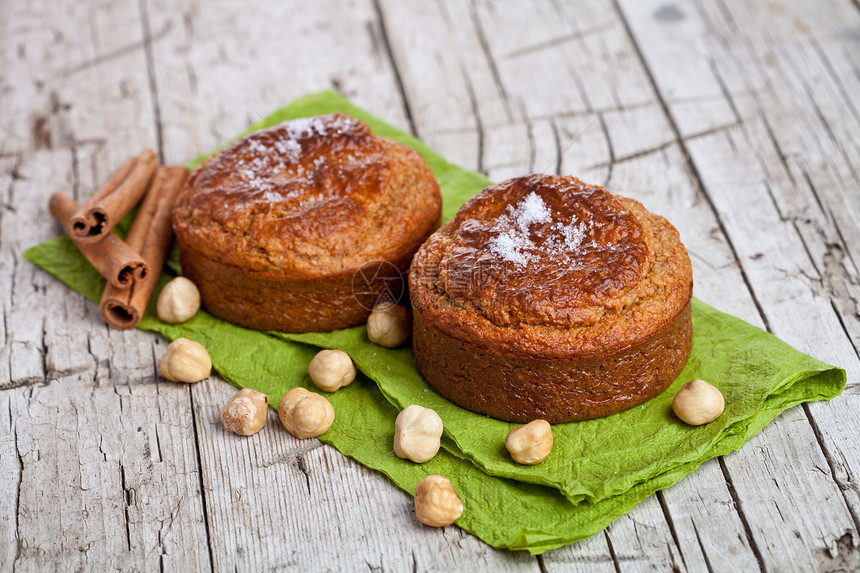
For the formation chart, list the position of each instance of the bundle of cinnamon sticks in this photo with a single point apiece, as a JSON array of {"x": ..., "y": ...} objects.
[{"x": 131, "y": 266}]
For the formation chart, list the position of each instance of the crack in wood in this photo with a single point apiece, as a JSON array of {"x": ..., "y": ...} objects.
[
  {"x": 841, "y": 319},
  {"x": 630, "y": 157},
  {"x": 481, "y": 35},
  {"x": 711, "y": 131},
  {"x": 201, "y": 484},
  {"x": 158, "y": 444},
  {"x": 615, "y": 560},
  {"x": 724, "y": 90},
  {"x": 19, "y": 546},
  {"x": 128, "y": 497},
  {"x": 701, "y": 547},
  {"x": 672, "y": 530},
  {"x": 106, "y": 57},
  {"x": 744, "y": 521},
  {"x": 470, "y": 91},
  {"x": 150, "y": 70},
  {"x": 558, "y": 155},
  {"x": 300, "y": 464},
  {"x": 398, "y": 80},
  {"x": 611, "y": 162}
]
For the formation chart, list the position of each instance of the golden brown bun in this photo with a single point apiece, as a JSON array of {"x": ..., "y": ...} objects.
[
  {"x": 549, "y": 298},
  {"x": 274, "y": 228}
]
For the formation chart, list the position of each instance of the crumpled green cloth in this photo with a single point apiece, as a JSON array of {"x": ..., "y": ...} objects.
[{"x": 598, "y": 469}]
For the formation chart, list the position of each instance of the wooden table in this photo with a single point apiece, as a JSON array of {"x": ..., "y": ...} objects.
[{"x": 736, "y": 120}]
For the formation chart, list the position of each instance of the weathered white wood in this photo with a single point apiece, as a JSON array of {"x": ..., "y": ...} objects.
[
  {"x": 785, "y": 96},
  {"x": 10, "y": 480},
  {"x": 743, "y": 170},
  {"x": 591, "y": 555},
  {"x": 801, "y": 317},
  {"x": 583, "y": 145},
  {"x": 23, "y": 351},
  {"x": 776, "y": 506},
  {"x": 104, "y": 466},
  {"x": 709, "y": 530},
  {"x": 216, "y": 72},
  {"x": 297, "y": 504},
  {"x": 641, "y": 540},
  {"x": 269, "y": 499},
  {"x": 93, "y": 490},
  {"x": 759, "y": 94}
]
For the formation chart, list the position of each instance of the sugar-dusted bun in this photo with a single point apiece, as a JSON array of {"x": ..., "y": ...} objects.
[
  {"x": 549, "y": 298},
  {"x": 305, "y": 225}
]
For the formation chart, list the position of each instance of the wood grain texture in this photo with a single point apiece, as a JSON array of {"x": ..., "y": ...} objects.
[
  {"x": 747, "y": 175},
  {"x": 735, "y": 120}
]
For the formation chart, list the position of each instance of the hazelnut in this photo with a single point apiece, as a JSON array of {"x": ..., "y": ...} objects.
[
  {"x": 246, "y": 412},
  {"x": 436, "y": 502},
  {"x": 530, "y": 444},
  {"x": 698, "y": 402},
  {"x": 305, "y": 414},
  {"x": 185, "y": 361},
  {"x": 416, "y": 433},
  {"x": 178, "y": 301},
  {"x": 389, "y": 325},
  {"x": 331, "y": 369}
]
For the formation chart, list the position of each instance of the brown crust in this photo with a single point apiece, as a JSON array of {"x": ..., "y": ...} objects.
[
  {"x": 549, "y": 298},
  {"x": 275, "y": 228},
  {"x": 517, "y": 389}
]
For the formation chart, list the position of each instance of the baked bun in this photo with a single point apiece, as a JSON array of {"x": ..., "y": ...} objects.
[
  {"x": 549, "y": 298},
  {"x": 306, "y": 225}
]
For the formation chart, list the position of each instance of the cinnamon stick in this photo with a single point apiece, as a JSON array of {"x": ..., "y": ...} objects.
[
  {"x": 111, "y": 256},
  {"x": 151, "y": 234},
  {"x": 99, "y": 215}
]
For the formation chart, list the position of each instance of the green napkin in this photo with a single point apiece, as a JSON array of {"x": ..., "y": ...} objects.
[{"x": 598, "y": 469}]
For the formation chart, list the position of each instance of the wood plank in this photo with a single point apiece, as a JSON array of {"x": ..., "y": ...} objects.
[
  {"x": 105, "y": 466},
  {"x": 213, "y": 83},
  {"x": 84, "y": 418},
  {"x": 704, "y": 516},
  {"x": 273, "y": 500},
  {"x": 292, "y": 503},
  {"x": 740, "y": 167},
  {"x": 90, "y": 433},
  {"x": 11, "y": 468},
  {"x": 585, "y": 144}
]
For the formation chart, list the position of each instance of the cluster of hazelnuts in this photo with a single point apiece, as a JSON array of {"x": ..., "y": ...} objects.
[
  {"x": 307, "y": 414},
  {"x": 417, "y": 430}
]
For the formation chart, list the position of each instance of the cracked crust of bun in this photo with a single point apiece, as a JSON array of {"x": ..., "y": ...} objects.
[
  {"x": 549, "y": 298},
  {"x": 276, "y": 229}
]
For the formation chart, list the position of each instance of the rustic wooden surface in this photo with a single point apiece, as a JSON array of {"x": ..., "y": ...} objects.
[{"x": 737, "y": 120}]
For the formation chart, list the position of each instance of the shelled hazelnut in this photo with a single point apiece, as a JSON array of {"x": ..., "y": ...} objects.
[
  {"x": 178, "y": 301},
  {"x": 246, "y": 412},
  {"x": 305, "y": 414},
  {"x": 186, "y": 361},
  {"x": 331, "y": 369},
  {"x": 417, "y": 433},
  {"x": 389, "y": 325},
  {"x": 698, "y": 402},
  {"x": 530, "y": 444},
  {"x": 436, "y": 502}
]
